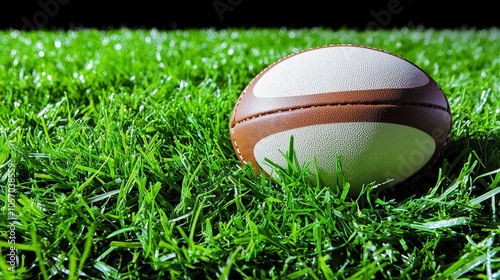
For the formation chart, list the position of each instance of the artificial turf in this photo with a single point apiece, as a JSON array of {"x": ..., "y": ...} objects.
[{"x": 116, "y": 163}]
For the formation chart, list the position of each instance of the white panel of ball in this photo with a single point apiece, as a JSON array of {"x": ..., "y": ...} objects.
[
  {"x": 368, "y": 151},
  {"x": 338, "y": 69}
]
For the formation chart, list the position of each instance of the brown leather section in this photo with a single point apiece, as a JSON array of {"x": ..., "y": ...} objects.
[
  {"x": 434, "y": 121},
  {"x": 253, "y": 118},
  {"x": 249, "y": 106}
]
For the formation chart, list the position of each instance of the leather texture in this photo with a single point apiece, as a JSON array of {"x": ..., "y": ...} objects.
[{"x": 411, "y": 97}]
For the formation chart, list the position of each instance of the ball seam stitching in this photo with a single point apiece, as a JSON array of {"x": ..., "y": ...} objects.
[{"x": 339, "y": 104}]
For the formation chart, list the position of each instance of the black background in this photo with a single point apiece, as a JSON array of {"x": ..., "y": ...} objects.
[{"x": 219, "y": 14}]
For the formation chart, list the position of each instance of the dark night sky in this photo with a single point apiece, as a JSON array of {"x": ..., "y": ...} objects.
[{"x": 65, "y": 14}]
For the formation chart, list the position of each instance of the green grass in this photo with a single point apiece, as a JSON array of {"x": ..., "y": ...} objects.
[{"x": 117, "y": 144}]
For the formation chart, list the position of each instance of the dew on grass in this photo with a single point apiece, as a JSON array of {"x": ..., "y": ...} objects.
[
  {"x": 89, "y": 65},
  {"x": 38, "y": 155},
  {"x": 105, "y": 41}
]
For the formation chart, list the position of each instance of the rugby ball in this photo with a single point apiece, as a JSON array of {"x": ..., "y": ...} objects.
[{"x": 381, "y": 116}]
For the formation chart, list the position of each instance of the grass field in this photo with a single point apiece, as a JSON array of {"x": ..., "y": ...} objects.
[{"x": 116, "y": 163}]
